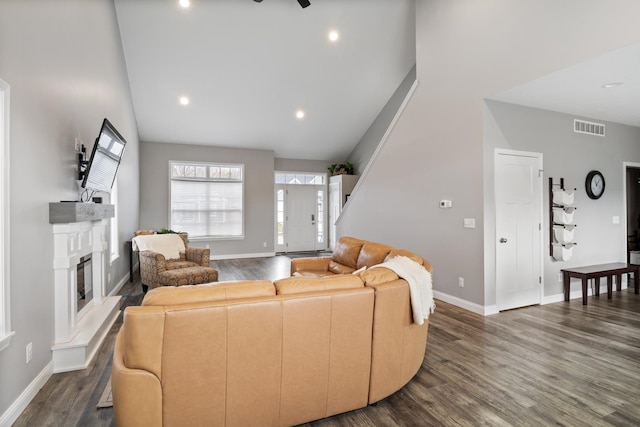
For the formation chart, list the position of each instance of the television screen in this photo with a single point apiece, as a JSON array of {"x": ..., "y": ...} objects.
[{"x": 105, "y": 159}]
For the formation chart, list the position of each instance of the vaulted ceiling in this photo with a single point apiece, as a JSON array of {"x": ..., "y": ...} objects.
[{"x": 247, "y": 68}]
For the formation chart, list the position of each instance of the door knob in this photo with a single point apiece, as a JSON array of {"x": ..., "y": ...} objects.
[{"x": 503, "y": 240}]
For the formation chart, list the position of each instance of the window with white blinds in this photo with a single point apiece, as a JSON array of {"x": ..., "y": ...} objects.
[
  {"x": 5, "y": 317},
  {"x": 207, "y": 199}
]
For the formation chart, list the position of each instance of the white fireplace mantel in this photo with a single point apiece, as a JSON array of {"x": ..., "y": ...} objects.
[{"x": 78, "y": 335}]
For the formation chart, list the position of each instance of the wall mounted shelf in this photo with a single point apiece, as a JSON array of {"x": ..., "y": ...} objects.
[{"x": 70, "y": 212}]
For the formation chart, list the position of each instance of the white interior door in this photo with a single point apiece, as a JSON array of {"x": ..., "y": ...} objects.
[
  {"x": 518, "y": 229},
  {"x": 301, "y": 216}
]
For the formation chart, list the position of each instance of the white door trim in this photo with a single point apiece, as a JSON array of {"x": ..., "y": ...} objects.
[{"x": 625, "y": 166}]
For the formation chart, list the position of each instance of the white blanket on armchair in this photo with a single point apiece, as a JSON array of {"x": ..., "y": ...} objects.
[
  {"x": 420, "y": 285},
  {"x": 169, "y": 245}
]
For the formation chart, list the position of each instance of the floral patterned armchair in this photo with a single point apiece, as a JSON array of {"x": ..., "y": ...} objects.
[{"x": 191, "y": 268}]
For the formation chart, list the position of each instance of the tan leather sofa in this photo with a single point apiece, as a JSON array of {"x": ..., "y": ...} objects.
[
  {"x": 349, "y": 255},
  {"x": 265, "y": 354},
  {"x": 398, "y": 345}
]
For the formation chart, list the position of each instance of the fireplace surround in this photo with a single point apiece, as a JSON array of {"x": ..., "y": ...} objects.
[{"x": 79, "y": 233}]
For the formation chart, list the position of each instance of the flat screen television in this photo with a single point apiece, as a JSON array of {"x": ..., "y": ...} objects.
[{"x": 102, "y": 167}]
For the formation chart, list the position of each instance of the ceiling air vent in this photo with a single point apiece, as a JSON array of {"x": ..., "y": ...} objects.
[{"x": 590, "y": 128}]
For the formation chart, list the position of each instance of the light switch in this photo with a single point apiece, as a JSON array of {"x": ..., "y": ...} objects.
[
  {"x": 469, "y": 223},
  {"x": 445, "y": 204},
  {"x": 616, "y": 220}
]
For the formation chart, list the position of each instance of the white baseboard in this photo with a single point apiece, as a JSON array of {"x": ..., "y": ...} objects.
[
  {"x": 237, "y": 256},
  {"x": 493, "y": 309},
  {"x": 119, "y": 286},
  {"x": 467, "y": 305},
  {"x": 486, "y": 310},
  {"x": 19, "y": 405}
]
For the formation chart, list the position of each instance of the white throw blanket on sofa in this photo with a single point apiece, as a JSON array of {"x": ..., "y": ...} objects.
[
  {"x": 420, "y": 285},
  {"x": 169, "y": 245}
]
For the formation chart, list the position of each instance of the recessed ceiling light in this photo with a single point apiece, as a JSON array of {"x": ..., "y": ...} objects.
[
  {"x": 300, "y": 114},
  {"x": 184, "y": 100},
  {"x": 184, "y": 3},
  {"x": 611, "y": 85},
  {"x": 333, "y": 35}
]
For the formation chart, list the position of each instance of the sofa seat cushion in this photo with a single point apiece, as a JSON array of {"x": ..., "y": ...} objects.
[
  {"x": 178, "y": 264},
  {"x": 209, "y": 292},
  {"x": 300, "y": 285},
  {"x": 337, "y": 268},
  {"x": 187, "y": 276}
]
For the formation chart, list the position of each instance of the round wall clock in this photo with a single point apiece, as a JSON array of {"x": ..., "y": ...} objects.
[{"x": 594, "y": 184}]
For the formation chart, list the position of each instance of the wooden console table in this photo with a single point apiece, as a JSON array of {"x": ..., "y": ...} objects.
[
  {"x": 129, "y": 245},
  {"x": 596, "y": 272}
]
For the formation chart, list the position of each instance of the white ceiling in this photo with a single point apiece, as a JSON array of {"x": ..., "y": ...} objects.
[
  {"x": 247, "y": 67},
  {"x": 578, "y": 89}
]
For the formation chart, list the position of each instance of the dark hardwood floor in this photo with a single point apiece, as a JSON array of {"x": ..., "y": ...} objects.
[{"x": 557, "y": 364}]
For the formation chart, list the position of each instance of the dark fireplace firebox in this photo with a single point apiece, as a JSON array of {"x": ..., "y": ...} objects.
[{"x": 85, "y": 285}]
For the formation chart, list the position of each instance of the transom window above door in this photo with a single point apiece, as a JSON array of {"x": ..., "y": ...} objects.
[{"x": 300, "y": 178}]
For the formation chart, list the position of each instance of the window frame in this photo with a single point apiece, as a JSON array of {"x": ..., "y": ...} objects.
[
  {"x": 209, "y": 165},
  {"x": 5, "y": 315},
  {"x": 114, "y": 238}
]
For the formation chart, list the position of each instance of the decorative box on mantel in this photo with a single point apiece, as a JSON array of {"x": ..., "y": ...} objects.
[{"x": 83, "y": 312}]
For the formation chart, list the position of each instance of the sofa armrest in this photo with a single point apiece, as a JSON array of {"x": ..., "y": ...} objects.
[
  {"x": 137, "y": 394},
  {"x": 153, "y": 260},
  {"x": 398, "y": 345},
  {"x": 310, "y": 264},
  {"x": 151, "y": 263},
  {"x": 198, "y": 255},
  {"x": 426, "y": 264}
]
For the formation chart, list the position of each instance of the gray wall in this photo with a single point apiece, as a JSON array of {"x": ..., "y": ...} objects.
[
  {"x": 64, "y": 62},
  {"x": 571, "y": 156},
  {"x": 467, "y": 50},
  {"x": 258, "y": 193},
  {"x": 362, "y": 153}
]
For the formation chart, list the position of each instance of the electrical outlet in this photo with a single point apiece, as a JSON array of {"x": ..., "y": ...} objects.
[
  {"x": 29, "y": 352},
  {"x": 77, "y": 144},
  {"x": 206, "y": 246},
  {"x": 559, "y": 277},
  {"x": 264, "y": 244},
  {"x": 461, "y": 282}
]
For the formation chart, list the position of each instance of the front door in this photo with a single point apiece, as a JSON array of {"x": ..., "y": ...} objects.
[
  {"x": 518, "y": 229},
  {"x": 301, "y": 218}
]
